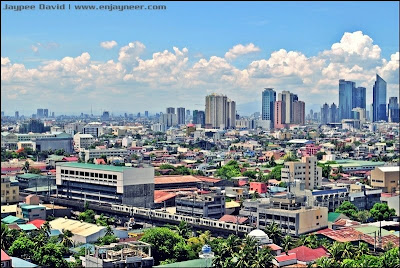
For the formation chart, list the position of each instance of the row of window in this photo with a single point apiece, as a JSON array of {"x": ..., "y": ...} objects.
[{"x": 89, "y": 174}]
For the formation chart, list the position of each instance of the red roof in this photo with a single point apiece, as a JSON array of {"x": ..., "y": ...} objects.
[
  {"x": 307, "y": 254},
  {"x": 274, "y": 247},
  {"x": 345, "y": 222},
  {"x": 207, "y": 179},
  {"x": 284, "y": 257},
  {"x": 100, "y": 161},
  {"x": 4, "y": 257},
  {"x": 233, "y": 219},
  {"x": 175, "y": 179},
  {"x": 37, "y": 223},
  {"x": 161, "y": 196},
  {"x": 71, "y": 159}
]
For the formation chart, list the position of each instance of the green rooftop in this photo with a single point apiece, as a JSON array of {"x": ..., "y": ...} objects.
[
  {"x": 12, "y": 219},
  {"x": 356, "y": 163},
  {"x": 332, "y": 216},
  {"x": 371, "y": 229},
  {"x": 23, "y": 206},
  {"x": 192, "y": 263},
  {"x": 28, "y": 176},
  {"x": 27, "y": 227},
  {"x": 93, "y": 166}
]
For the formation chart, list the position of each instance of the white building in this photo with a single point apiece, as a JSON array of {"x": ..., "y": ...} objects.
[
  {"x": 97, "y": 153},
  {"x": 94, "y": 128},
  {"x": 83, "y": 232},
  {"x": 106, "y": 184},
  {"x": 82, "y": 141}
]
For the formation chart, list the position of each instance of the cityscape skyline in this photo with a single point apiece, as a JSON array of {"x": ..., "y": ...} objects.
[{"x": 141, "y": 70}]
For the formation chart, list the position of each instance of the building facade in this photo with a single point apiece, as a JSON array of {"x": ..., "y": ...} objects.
[
  {"x": 9, "y": 191},
  {"x": 268, "y": 99},
  {"x": 106, "y": 184},
  {"x": 204, "y": 206},
  {"x": 220, "y": 112},
  {"x": 181, "y": 116},
  {"x": 346, "y": 89},
  {"x": 386, "y": 178},
  {"x": 379, "y": 100},
  {"x": 306, "y": 171}
]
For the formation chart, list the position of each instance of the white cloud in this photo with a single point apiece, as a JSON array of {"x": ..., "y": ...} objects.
[
  {"x": 108, "y": 44},
  {"x": 174, "y": 75},
  {"x": 131, "y": 52},
  {"x": 240, "y": 49}
]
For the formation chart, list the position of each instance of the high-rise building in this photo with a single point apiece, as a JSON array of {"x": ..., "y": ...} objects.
[
  {"x": 299, "y": 109},
  {"x": 346, "y": 89},
  {"x": 170, "y": 110},
  {"x": 45, "y": 113},
  {"x": 393, "y": 110},
  {"x": 311, "y": 175},
  {"x": 279, "y": 114},
  {"x": 220, "y": 112},
  {"x": 187, "y": 113},
  {"x": 39, "y": 113},
  {"x": 169, "y": 119},
  {"x": 325, "y": 114},
  {"x": 52, "y": 114},
  {"x": 105, "y": 116},
  {"x": 267, "y": 109},
  {"x": 181, "y": 115},
  {"x": 333, "y": 114},
  {"x": 359, "y": 114},
  {"x": 379, "y": 100},
  {"x": 16, "y": 115},
  {"x": 199, "y": 117},
  {"x": 146, "y": 113},
  {"x": 286, "y": 97},
  {"x": 359, "y": 97}
]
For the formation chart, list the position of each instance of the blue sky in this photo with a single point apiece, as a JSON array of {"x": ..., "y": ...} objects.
[{"x": 206, "y": 29}]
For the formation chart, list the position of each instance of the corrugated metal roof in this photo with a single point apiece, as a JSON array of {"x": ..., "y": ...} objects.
[{"x": 76, "y": 227}]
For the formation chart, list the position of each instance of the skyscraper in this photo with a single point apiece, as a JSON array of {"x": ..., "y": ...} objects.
[
  {"x": 359, "y": 97},
  {"x": 393, "y": 110},
  {"x": 231, "y": 114},
  {"x": 220, "y": 112},
  {"x": 181, "y": 115},
  {"x": 286, "y": 97},
  {"x": 346, "y": 89},
  {"x": 201, "y": 118},
  {"x": 170, "y": 110},
  {"x": 379, "y": 100},
  {"x": 39, "y": 113},
  {"x": 267, "y": 109},
  {"x": 279, "y": 114},
  {"x": 146, "y": 113},
  {"x": 325, "y": 114},
  {"x": 299, "y": 112},
  {"x": 333, "y": 114},
  {"x": 16, "y": 115},
  {"x": 45, "y": 113}
]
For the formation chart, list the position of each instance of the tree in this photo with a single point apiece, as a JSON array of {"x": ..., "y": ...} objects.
[
  {"x": 22, "y": 246},
  {"x": 274, "y": 232},
  {"x": 50, "y": 255},
  {"x": 362, "y": 216},
  {"x": 287, "y": 243},
  {"x": 326, "y": 171},
  {"x": 391, "y": 258},
  {"x": 275, "y": 173},
  {"x": 26, "y": 166},
  {"x": 381, "y": 212},
  {"x": 347, "y": 209},
  {"x": 320, "y": 155},
  {"x": 106, "y": 240},
  {"x": 46, "y": 228},
  {"x": 271, "y": 161},
  {"x": 325, "y": 262},
  {"x": 263, "y": 259},
  {"x": 65, "y": 238},
  {"x": 87, "y": 216},
  {"x": 34, "y": 170},
  {"x": 7, "y": 237},
  {"x": 231, "y": 169},
  {"x": 183, "y": 229},
  {"x": 102, "y": 221},
  {"x": 336, "y": 251},
  {"x": 109, "y": 231},
  {"x": 163, "y": 241},
  {"x": 250, "y": 173}
]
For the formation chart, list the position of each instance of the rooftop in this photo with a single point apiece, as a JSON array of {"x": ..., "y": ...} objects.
[
  {"x": 4, "y": 257},
  {"x": 175, "y": 179},
  {"x": 307, "y": 254},
  {"x": 390, "y": 169},
  {"x": 93, "y": 166},
  {"x": 17, "y": 262},
  {"x": 76, "y": 227}
]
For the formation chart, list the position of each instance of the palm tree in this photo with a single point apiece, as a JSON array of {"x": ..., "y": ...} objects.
[
  {"x": 109, "y": 231},
  {"x": 274, "y": 232},
  {"x": 362, "y": 249},
  {"x": 6, "y": 239},
  {"x": 46, "y": 228},
  {"x": 347, "y": 250},
  {"x": 325, "y": 262},
  {"x": 65, "y": 238},
  {"x": 336, "y": 251},
  {"x": 263, "y": 259},
  {"x": 287, "y": 243},
  {"x": 183, "y": 229}
]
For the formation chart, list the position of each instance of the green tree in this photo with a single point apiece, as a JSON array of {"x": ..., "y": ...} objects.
[
  {"x": 274, "y": 232},
  {"x": 347, "y": 209},
  {"x": 326, "y": 171},
  {"x": 325, "y": 262},
  {"x": 275, "y": 173},
  {"x": 23, "y": 246},
  {"x": 272, "y": 162},
  {"x": 102, "y": 221},
  {"x": 50, "y": 255},
  {"x": 87, "y": 216},
  {"x": 362, "y": 216},
  {"x": 65, "y": 238},
  {"x": 391, "y": 258},
  {"x": 163, "y": 241},
  {"x": 109, "y": 231},
  {"x": 320, "y": 155},
  {"x": 167, "y": 166},
  {"x": 381, "y": 212},
  {"x": 287, "y": 243},
  {"x": 183, "y": 229},
  {"x": 263, "y": 259},
  {"x": 228, "y": 171},
  {"x": 250, "y": 173},
  {"x": 7, "y": 236},
  {"x": 106, "y": 240}
]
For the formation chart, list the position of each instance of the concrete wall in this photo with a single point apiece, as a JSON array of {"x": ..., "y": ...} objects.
[
  {"x": 141, "y": 195},
  {"x": 308, "y": 220}
]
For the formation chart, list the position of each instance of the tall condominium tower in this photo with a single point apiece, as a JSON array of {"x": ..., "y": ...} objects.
[
  {"x": 325, "y": 114},
  {"x": 393, "y": 110},
  {"x": 299, "y": 112},
  {"x": 346, "y": 89},
  {"x": 181, "y": 115},
  {"x": 379, "y": 100},
  {"x": 333, "y": 114},
  {"x": 170, "y": 110},
  {"x": 220, "y": 112},
  {"x": 268, "y": 99}
]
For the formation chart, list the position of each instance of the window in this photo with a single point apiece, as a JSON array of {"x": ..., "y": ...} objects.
[
  {"x": 91, "y": 174},
  {"x": 96, "y": 175},
  {"x": 62, "y": 171},
  {"x": 114, "y": 177},
  {"x": 101, "y": 175},
  {"x": 87, "y": 174},
  {"x": 81, "y": 173}
]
